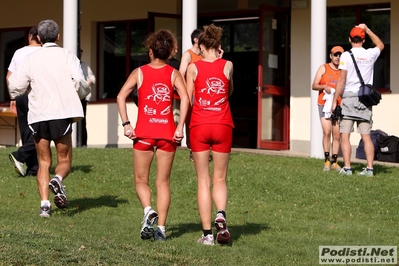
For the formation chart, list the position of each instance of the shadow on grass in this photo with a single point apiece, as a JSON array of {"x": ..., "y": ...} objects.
[
  {"x": 83, "y": 204},
  {"x": 236, "y": 230},
  {"x": 82, "y": 168}
]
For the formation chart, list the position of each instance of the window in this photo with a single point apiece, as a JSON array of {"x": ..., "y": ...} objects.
[
  {"x": 120, "y": 51},
  {"x": 238, "y": 36},
  {"x": 378, "y": 18},
  {"x": 11, "y": 40}
]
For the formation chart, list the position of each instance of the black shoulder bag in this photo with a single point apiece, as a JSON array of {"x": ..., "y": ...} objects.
[{"x": 368, "y": 95}]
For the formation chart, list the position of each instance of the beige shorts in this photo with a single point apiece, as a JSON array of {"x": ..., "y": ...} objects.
[{"x": 363, "y": 127}]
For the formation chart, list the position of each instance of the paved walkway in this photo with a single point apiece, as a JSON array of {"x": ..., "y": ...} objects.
[{"x": 305, "y": 155}]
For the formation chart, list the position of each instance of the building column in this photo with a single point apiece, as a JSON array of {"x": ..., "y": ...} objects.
[
  {"x": 70, "y": 40},
  {"x": 318, "y": 46},
  {"x": 189, "y": 24}
]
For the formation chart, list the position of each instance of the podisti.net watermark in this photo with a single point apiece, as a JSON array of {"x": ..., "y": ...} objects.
[{"x": 358, "y": 255}]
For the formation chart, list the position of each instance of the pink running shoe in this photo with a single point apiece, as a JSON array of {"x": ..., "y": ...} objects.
[{"x": 223, "y": 234}]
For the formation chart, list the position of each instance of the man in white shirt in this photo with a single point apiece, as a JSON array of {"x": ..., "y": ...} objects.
[
  {"x": 56, "y": 79},
  {"x": 348, "y": 86},
  {"x": 27, "y": 152}
]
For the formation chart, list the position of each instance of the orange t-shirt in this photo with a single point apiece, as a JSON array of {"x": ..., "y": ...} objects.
[
  {"x": 330, "y": 78},
  {"x": 194, "y": 58}
]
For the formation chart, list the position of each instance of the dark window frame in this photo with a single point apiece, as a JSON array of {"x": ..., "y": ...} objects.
[
  {"x": 358, "y": 15},
  {"x": 7, "y": 56},
  {"x": 131, "y": 61}
]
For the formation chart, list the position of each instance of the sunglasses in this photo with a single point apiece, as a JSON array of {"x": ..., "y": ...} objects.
[{"x": 337, "y": 54}]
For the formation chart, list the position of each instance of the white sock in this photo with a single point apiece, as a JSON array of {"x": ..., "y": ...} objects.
[
  {"x": 147, "y": 209},
  {"x": 59, "y": 177},
  {"x": 162, "y": 228},
  {"x": 45, "y": 202}
]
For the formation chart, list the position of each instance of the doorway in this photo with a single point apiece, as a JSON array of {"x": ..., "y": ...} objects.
[
  {"x": 260, "y": 101},
  {"x": 240, "y": 43},
  {"x": 274, "y": 82}
]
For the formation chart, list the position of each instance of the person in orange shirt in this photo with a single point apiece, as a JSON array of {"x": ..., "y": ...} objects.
[
  {"x": 325, "y": 82},
  {"x": 190, "y": 56}
]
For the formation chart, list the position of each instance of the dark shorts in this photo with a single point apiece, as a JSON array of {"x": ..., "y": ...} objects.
[
  {"x": 207, "y": 136},
  {"x": 151, "y": 144},
  {"x": 51, "y": 130}
]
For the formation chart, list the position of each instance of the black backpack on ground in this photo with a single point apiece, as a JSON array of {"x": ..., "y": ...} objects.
[
  {"x": 388, "y": 149},
  {"x": 375, "y": 135}
]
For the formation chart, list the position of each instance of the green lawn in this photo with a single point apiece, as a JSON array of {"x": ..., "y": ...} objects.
[{"x": 280, "y": 210}]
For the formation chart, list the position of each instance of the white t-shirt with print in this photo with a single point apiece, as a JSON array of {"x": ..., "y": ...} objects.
[{"x": 365, "y": 59}]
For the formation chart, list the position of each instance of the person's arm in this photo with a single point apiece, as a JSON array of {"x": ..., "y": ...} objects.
[
  {"x": 316, "y": 82},
  {"x": 13, "y": 106},
  {"x": 123, "y": 94},
  {"x": 219, "y": 52},
  {"x": 18, "y": 81},
  {"x": 184, "y": 62},
  {"x": 339, "y": 89},
  {"x": 8, "y": 76},
  {"x": 191, "y": 76},
  {"x": 179, "y": 84},
  {"x": 91, "y": 79},
  {"x": 81, "y": 85},
  {"x": 228, "y": 71},
  {"x": 374, "y": 38}
]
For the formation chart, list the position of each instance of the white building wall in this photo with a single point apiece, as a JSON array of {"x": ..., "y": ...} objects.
[{"x": 104, "y": 126}]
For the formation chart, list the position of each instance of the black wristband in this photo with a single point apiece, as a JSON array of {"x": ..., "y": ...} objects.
[{"x": 126, "y": 123}]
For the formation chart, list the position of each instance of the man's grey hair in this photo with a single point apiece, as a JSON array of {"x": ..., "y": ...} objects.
[{"x": 48, "y": 31}]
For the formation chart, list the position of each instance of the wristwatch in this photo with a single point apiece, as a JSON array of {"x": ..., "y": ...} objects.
[{"x": 126, "y": 123}]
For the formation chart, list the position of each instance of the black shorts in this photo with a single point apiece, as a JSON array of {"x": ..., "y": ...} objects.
[{"x": 52, "y": 129}]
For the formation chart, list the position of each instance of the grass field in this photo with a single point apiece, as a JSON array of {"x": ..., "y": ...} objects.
[{"x": 280, "y": 210}]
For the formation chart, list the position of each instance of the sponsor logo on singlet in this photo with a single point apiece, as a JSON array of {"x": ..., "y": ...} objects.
[
  {"x": 158, "y": 121},
  {"x": 160, "y": 93}
]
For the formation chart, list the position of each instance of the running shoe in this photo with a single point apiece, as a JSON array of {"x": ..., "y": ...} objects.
[
  {"x": 335, "y": 166},
  {"x": 45, "y": 211},
  {"x": 366, "y": 172},
  {"x": 18, "y": 166},
  {"x": 327, "y": 166},
  {"x": 147, "y": 228},
  {"x": 60, "y": 198},
  {"x": 159, "y": 235},
  {"x": 345, "y": 171},
  {"x": 206, "y": 240},
  {"x": 223, "y": 234}
]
